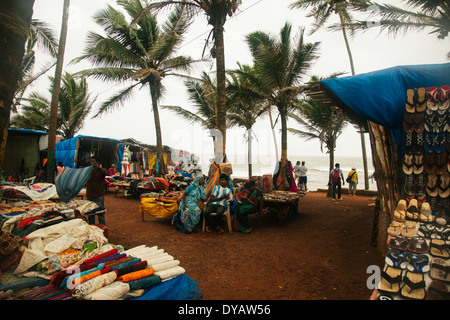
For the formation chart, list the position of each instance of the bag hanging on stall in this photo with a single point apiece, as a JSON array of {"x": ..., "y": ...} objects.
[{"x": 226, "y": 168}]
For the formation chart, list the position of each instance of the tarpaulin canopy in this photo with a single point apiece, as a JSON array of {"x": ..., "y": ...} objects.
[{"x": 380, "y": 96}]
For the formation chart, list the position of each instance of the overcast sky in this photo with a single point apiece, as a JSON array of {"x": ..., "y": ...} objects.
[{"x": 371, "y": 51}]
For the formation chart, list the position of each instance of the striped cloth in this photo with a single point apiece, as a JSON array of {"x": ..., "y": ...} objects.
[
  {"x": 70, "y": 182},
  {"x": 218, "y": 192}
]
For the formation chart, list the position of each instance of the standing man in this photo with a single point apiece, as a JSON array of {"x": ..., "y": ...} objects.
[
  {"x": 352, "y": 180},
  {"x": 296, "y": 173},
  {"x": 336, "y": 176},
  {"x": 95, "y": 189},
  {"x": 303, "y": 179}
]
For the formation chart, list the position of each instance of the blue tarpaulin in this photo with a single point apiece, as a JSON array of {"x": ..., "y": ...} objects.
[{"x": 380, "y": 96}]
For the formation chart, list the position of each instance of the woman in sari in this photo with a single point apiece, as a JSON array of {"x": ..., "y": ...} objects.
[
  {"x": 252, "y": 203},
  {"x": 189, "y": 212}
]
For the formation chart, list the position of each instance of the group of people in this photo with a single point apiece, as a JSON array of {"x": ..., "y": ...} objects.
[
  {"x": 337, "y": 181},
  {"x": 300, "y": 172},
  {"x": 194, "y": 200}
]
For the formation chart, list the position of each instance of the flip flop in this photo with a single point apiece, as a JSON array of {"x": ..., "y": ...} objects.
[
  {"x": 408, "y": 123},
  {"x": 437, "y": 290},
  {"x": 432, "y": 185},
  {"x": 410, "y": 189},
  {"x": 444, "y": 190},
  {"x": 418, "y": 161},
  {"x": 425, "y": 213},
  {"x": 421, "y": 103},
  {"x": 434, "y": 204},
  {"x": 444, "y": 97},
  {"x": 432, "y": 98},
  {"x": 429, "y": 142},
  {"x": 419, "y": 122},
  {"x": 400, "y": 211},
  {"x": 414, "y": 286},
  {"x": 408, "y": 141},
  {"x": 408, "y": 162},
  {"x": 441, "y": 160},
  {"x": 390, "y": 280},
  {"x": 439, "y": 270},
  {"x": 419, "y": 139},
  {"x": 417, "y": 245},
  {"x": 439, "y": 142},
  {"x": 411, "y": 99},
  {"x": 412, "y": 212},
  {"x": 428, "y": 162},
  {"x": 438, "y": 248}
]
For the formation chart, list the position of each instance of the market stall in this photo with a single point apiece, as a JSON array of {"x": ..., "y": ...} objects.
[
  {"x": 406, "y": 112},
  {"x": 282, "y": 203}
]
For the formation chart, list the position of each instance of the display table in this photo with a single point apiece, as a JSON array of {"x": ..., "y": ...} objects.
[{"x": 283, "y": 203}]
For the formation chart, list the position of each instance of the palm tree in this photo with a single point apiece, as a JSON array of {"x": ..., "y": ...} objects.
[
  {"x": 320, "y": 122},
  {"x": 39, "y": 34},
  {"x": 143, "y": 52},
  {"x": 321, "y": 11},
  {"x": 75, "y": 103},
  {"x": 280, "y": 66},
  {"x": 420, "y": 15},
  {"x": 51, "y": 167},
  {"x": 217, "y": 12},
  {"x": 244, "y": 109},
  {"x": 16, "y": 18}
]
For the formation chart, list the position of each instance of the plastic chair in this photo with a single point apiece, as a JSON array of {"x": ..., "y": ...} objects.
[{"x": 226, "y": 214}]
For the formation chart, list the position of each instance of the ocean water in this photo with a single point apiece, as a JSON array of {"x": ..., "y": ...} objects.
[{"x": 318, "y": 168}]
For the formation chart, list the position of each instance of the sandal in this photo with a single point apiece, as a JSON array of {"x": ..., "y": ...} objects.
[
  {"x": 432, "y": 185},
  {"x": 418, "y": 161},
  {"x": 411, "y": 99},
  {"x": 413, "y": 210},
  {"x": 395, "y": 228},
  {"x": 439, "y": 270},
  {"x": 425, "y": 213},
  {"x": 444, "y": 97},
  {"x": 410, "y": 229},
  {"x": 400, "y": 211},
  {"x": 414, "y": 286},
  {"x": 418, "y": 245},
  {"x": 444, "y": 190},
  {"x": 421, "y": 103},
  {"x": 432, "y": 98},
  {"x": 397, "y": 259},
  {"x": 390, "y": 280},
  {"x": 437, "y": 290},
  {"x": 426, "y": 230},
  {"x": 398, "y": 242},
  {"x": 438, "y": 248},
  {"x": 408, "y": 163},
  {"x": 418, "y": 263}
]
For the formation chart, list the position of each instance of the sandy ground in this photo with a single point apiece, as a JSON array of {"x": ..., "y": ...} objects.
[{"x": 322, "y": 253}]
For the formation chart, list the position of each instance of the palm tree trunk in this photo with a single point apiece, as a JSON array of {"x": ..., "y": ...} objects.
[
  {"x": 249, "y": 153},
  {"x": 283, "y": 117},
  {"x": 361, "y": 132},
  {"x": 14, "y": 25},
  {"x": 274, "y": 136},
  {"x": 51, "y": 165},
  {"x": 157, "y": 121},
  {"x": 385, "y": 160},
  {"x": 221, "y": 89}
]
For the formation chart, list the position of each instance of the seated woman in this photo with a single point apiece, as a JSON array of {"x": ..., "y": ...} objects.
[
  {"x": 188, "y": 215},
  {"x": 252, "y": 202}
]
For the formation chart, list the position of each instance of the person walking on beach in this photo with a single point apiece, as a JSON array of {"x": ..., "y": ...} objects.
[
  {"x": 95, "y": 189},
  {"x": 303, "y": 178},
  {"x": 335, "y": 178},
  {"x": 352, "y": 180}
]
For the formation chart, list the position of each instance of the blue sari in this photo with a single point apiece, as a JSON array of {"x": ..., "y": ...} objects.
[{"x": 187, "y": 219}]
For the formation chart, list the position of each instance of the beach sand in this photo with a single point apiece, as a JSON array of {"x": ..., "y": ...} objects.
[{"x": 323, "y": 253}]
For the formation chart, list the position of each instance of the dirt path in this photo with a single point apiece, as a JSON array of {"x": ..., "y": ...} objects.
[{"x": 323, "y": 253}]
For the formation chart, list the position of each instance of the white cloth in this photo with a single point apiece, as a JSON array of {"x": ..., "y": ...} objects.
[{"x": 48, "y": 241}]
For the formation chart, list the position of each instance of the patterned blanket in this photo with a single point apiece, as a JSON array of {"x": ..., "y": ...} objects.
[{"x": 70, "y": 182}]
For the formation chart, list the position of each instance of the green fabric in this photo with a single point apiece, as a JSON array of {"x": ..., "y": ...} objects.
[{"x": 244, "y": 209}]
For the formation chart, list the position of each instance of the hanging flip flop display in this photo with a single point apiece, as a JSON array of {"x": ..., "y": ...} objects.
[{"x": 419, "y": 233}]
